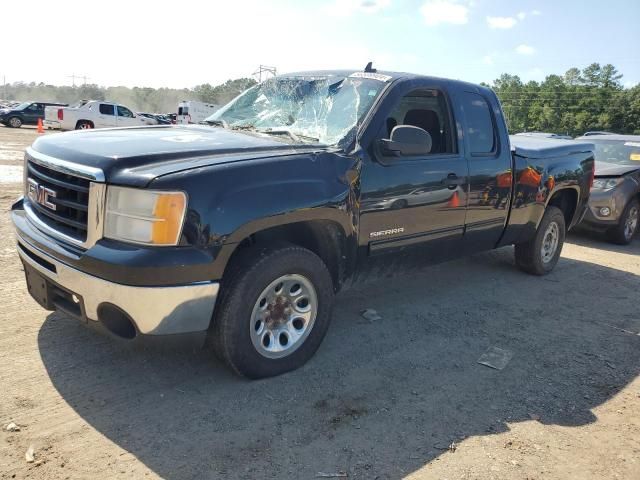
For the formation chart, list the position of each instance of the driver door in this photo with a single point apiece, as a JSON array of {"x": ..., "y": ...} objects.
[
  {"x": 415, "y": 204},
  {"x": 126, "y": 118}
]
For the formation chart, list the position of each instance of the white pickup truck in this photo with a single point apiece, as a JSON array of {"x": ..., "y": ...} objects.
[{"x": 94, "y": 114}]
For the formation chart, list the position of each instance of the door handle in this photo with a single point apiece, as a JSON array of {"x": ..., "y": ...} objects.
[{"x": 453, "y": 180}]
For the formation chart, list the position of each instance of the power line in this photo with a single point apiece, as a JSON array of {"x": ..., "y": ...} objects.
[
  {"x": 265, "y": 70},
  {"x": 73, "y": 77}
]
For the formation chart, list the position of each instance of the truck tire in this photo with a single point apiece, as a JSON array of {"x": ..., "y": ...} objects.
[
  {"x": 84, "y": 125},
  {"x": 627, "y": 227},
  {"x": 539, "y": 255},
  {"x": 15, "y": 122},
  {"x": 273, "y": 312}
]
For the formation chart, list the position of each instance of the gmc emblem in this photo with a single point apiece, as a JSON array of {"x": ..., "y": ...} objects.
[{"x": 40, "y": 194}]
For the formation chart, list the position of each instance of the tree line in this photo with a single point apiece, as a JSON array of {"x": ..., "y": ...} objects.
[
  {"x": 140, "y": 99},
  {"x": 580, "y": 100}
]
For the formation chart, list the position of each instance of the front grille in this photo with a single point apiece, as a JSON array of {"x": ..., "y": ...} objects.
[{"x": 71, "y": 200}]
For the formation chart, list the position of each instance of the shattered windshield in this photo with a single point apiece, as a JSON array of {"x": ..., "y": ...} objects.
[{"x": 322, "y": 109}]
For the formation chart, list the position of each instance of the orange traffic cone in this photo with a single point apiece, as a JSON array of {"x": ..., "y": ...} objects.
[
  {"x": 40, "y": 127},
  {"x": 454, "y": 201}
]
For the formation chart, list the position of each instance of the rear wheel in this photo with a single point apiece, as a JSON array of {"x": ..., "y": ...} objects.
[
  {"x": 274, "y": 311},
  {"x": 15, "y": 122},
  {"x": 84, "y": 125},
  {"x": 626, "y": 229},
  {"x": 539, "y": 255}
]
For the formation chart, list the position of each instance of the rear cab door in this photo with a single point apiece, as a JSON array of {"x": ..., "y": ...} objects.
[
  {"x": 488, "y": 155},
  {"x": 413, "y": 208},
  {"x": 105, "y": 114},
  {"x": 32, "y": 113}
]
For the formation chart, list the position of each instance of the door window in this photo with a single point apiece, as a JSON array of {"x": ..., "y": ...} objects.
[
  {"x": 479, "y": 130},
  {"x": 124, "y": 112},
  {"x": 428, "y": 109},
  {"x": 106, "y": 109}
]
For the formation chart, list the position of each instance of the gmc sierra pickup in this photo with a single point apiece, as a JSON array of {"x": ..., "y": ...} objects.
[{"x": 243, "y": 230}]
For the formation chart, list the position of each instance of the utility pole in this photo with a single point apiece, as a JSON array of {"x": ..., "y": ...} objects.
[
  {"x": 264, "y": 70},
  {"x": 73, "y": 77}
]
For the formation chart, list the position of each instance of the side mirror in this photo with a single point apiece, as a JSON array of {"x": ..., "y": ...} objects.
[{"x": 407, "y": 140}]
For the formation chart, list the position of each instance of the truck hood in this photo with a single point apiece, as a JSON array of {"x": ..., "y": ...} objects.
[
  {"x": 135, "y": 156},
  {"x": 605, "y": 169}
]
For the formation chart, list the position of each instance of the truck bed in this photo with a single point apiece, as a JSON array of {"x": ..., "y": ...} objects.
[{"x": 534, "y": 147}]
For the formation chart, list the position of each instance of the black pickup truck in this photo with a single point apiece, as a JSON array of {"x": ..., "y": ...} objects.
[{"x": 244, "y": 229}]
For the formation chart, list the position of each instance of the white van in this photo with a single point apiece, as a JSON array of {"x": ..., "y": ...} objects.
[{"x": 194, "y": 112}]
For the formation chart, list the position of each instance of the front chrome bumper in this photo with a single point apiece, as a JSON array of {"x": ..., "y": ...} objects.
[{"x": 161, "y": 310}]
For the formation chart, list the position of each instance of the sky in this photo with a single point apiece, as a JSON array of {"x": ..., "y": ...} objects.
[{"x": 161, "y": 43}]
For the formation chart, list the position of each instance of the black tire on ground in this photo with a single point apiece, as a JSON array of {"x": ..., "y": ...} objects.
[
  {"x": 243, "y": 283},
  {"x": 623, "y": 233},
  {"x": 84, "y": 125},
  {"x": 531, "y": 257},
  {"x": 15, "y": 122}
]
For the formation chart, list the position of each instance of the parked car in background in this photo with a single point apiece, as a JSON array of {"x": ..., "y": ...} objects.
[
  {"x": 557, "y": 136},
  {"x": 27, "y": 113},
  {"x": 614, "y": 203},
  {"x": 99, "y": 114},
  {"x": 597, "y": 132},
  {"x": 194, "y": 112},
  {"x": 245, "y": 228}
]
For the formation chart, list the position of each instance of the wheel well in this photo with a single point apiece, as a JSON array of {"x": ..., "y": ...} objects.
[
  {"x": 82, "y": 121},
  {"x": 567, "y": 201},
  {"x": 324, "y": 238}
]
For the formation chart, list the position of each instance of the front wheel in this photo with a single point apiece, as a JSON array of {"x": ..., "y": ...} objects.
[
  {"x": 15, "y": 122},
  {"x": 539, "y": 255},
  {"x": 274, "y": 311},
  {"x": 623, "y": 233}
]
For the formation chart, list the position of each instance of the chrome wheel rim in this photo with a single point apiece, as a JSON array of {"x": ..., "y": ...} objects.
[
  {"x": 283, "y": 316},
  {"x": 550, "y": 242},
  {"x": 85, "y": 126},
  {"x": 631, "y": 223},
  {"x": 15, "y": 122}
]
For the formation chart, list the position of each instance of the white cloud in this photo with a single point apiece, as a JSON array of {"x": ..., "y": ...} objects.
[
  {"x": 501, "y": 22},
  {"x": 525, "y": 50},
  {"x": 489, "y": 59},
  {"x": 345, "y": 8},
  {"x": 436, "y": 12},
  {"x": 536, "y": 12},
  {"x": 521, "y": 15}
]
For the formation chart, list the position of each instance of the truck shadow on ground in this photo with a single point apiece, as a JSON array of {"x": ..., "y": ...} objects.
[
  {"x": 380, "y": 399},
  {"x": 598, "y": 240}
]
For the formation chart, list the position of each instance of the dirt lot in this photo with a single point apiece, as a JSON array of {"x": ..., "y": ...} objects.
[{"x": 380, "y": 400}]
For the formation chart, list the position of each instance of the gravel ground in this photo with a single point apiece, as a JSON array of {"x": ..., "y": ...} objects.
[{"x": 400, "y": 397}]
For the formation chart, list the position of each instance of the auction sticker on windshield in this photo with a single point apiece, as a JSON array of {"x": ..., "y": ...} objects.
[{"x": 371, "y": 76}]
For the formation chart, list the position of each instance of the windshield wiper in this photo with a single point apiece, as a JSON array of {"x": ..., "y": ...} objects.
[
  {"x": 216, "y": 123},
  {"x": 296, "y": 137}
]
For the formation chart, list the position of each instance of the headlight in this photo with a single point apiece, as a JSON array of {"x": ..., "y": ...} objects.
[
  {"x": 151, "y": 217},
  {"x": 606, "y": 184}
]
